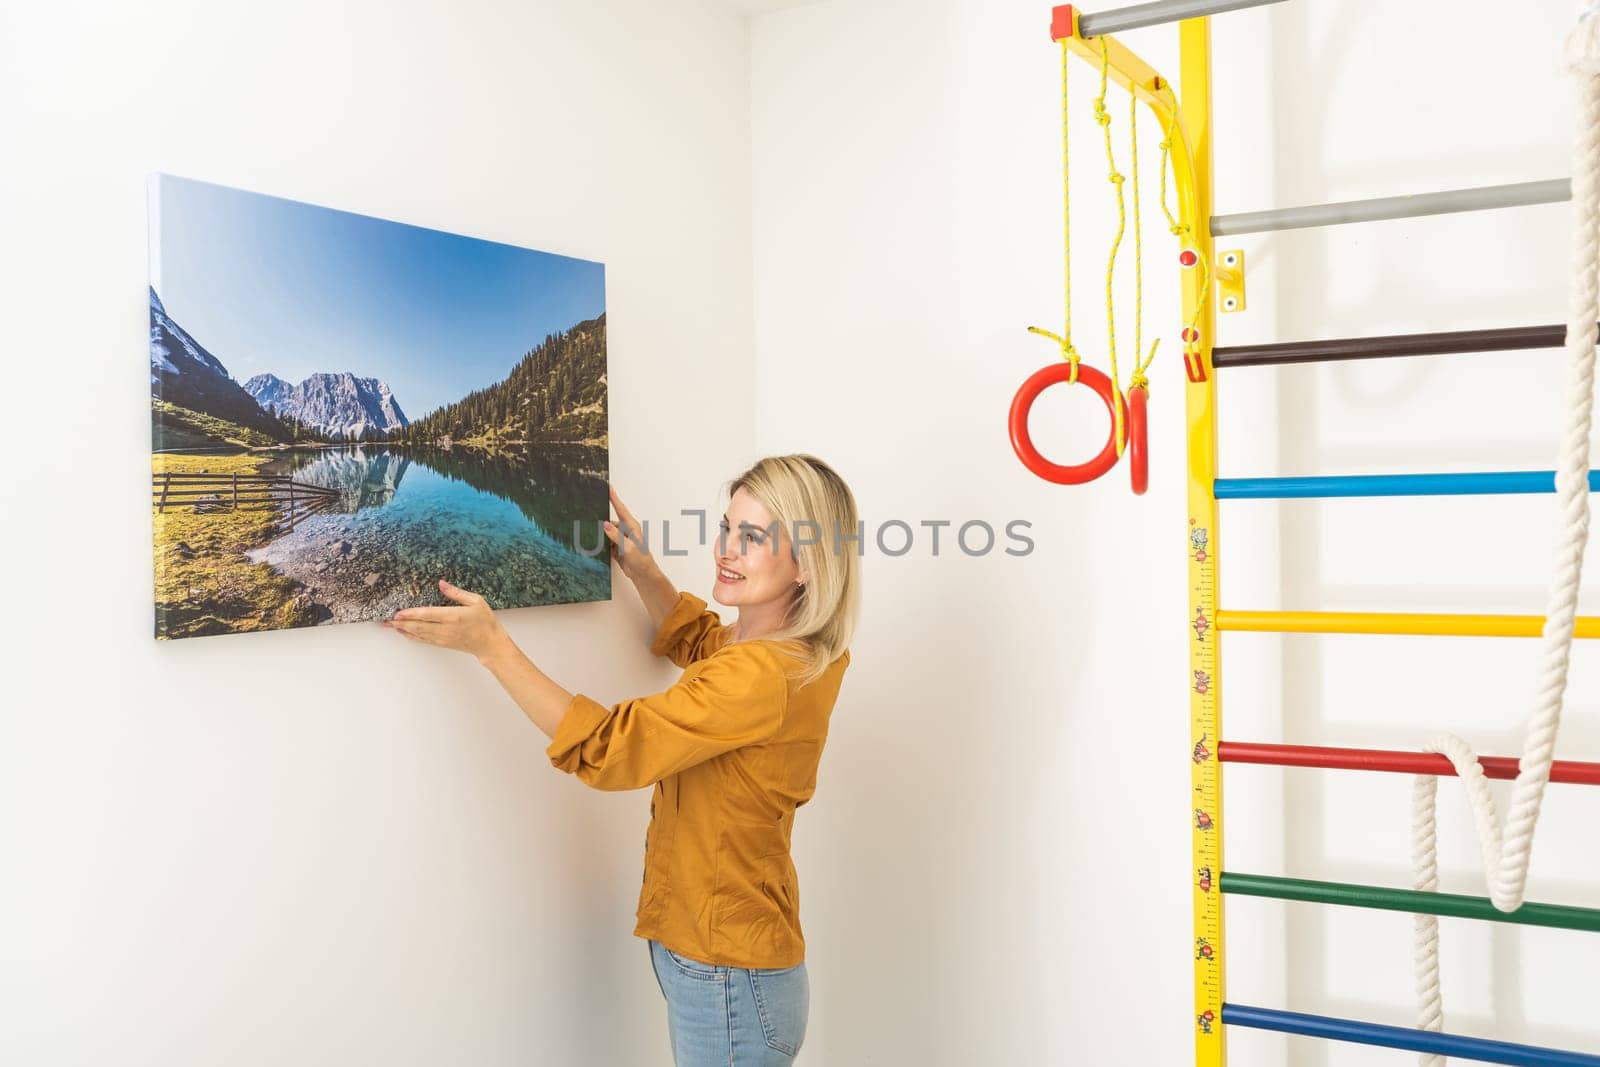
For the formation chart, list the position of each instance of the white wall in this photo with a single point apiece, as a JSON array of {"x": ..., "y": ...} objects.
[
  {"x": 332, "y": 846},
  {"x": 996, "y": 863}
]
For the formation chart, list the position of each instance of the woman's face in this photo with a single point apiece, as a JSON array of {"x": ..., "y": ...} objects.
[{"x": 754, "y": 561}]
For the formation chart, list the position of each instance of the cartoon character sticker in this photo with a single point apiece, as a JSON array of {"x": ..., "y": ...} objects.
[
  {"x": 1204, "y": 881},
  {"x": 1202, "y": 820},
  {"x": 1201, "y": 624},
  {"x": 1201, "y": 752},
  {"x": 1202, "y": 682},
  {"x": 1203, "y": 949},
  {"x": 1204, "y": 1020},
  {"x": 1198, "y": 539}
]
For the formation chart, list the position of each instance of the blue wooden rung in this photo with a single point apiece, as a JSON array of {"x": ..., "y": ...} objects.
[
  {"x": 1479, "y": 1049},
  {"x": 1465, "y": 484}
]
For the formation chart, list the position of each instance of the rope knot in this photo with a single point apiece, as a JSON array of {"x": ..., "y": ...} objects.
[{"x": 1114, "y": 178}]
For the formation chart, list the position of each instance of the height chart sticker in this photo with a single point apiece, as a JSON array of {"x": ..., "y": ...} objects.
[{"x": 1205, "y": 785}]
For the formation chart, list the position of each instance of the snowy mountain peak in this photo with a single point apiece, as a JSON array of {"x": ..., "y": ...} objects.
[
  {"x": 172, "y": 350},
  {"x": 338, "y": 403},
  {"x": 270, "y": 391},
  {"x": 183, "y": 375}
]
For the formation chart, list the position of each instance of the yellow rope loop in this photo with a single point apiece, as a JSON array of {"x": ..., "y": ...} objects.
[
  {"x": 1177, "y": 229},
  {"x": 1191, "y": 343},
  {"x": 1105, "y": 71},
  {"x": 1068, "y": 351},
  {"x": 1115, "y": 178},
  {"x": 1139, "y": 379},
  {"x": 1066, "y": 209},
  {"x": 1138, "y": 237},
  {"x": 1191, "y": 340},
  {"x": 1063, "y": 339}
]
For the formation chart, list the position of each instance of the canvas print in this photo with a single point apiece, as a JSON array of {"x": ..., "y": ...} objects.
[{"x": 346, "y": 409}]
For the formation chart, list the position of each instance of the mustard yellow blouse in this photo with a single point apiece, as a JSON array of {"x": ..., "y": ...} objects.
[{"x": 732, "y": 750}]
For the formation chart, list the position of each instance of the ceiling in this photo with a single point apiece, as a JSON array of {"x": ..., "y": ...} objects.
[{"x": 758, "y": 7}]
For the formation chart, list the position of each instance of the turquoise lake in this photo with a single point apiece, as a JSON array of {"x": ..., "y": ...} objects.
[{"x": 513, "y": 526}]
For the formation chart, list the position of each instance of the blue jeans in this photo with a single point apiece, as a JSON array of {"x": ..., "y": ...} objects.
[{"x": 721, "y": 1016}]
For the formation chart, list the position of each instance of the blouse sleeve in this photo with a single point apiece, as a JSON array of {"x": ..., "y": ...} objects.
[
  {"x": 689, "y": 632},
  {"x": 723, "y": 703}
]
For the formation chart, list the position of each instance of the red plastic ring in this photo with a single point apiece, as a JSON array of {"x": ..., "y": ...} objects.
[
  {"x": 1022, "y": 404},
  {"x": 1138, "y": 440}
]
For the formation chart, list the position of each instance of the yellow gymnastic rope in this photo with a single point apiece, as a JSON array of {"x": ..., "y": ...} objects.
[
  {"x": 1064, "y": 339},
  {"x": 1138, "y": 380},
  {"x": 1069, "y": 351},
  {"x": 1103, "y": 117}
]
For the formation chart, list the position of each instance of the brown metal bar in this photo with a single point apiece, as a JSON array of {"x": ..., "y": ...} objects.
[{"x": 1504, "y": 339}]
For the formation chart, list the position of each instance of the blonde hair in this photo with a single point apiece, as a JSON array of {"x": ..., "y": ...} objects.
[{"x": 816, "y": 511}]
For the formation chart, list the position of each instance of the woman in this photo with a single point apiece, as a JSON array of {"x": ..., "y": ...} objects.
[{"x": 732, "y": 749}]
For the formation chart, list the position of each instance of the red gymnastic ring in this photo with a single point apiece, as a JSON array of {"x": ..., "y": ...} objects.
[
  {"x": 1022, "y": 404},
  {"x": 1138, "y": 439}
]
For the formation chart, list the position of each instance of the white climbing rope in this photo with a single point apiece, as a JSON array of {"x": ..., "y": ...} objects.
[{"x": 1506, "y": 851}]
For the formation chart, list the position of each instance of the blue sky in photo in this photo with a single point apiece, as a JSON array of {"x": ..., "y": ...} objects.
[{"x": 272, "y": 286}]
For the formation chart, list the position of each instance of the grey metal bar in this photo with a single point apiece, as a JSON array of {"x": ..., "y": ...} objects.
[
  {"x": 1096, "y": 23},
  {"x": 1485, "y": 198}
]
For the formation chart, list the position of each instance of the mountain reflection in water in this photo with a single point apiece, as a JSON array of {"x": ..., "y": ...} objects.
[{"x": 508, "y": 525}]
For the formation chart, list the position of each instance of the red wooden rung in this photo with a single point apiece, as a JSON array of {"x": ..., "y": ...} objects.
[{"x": 1372, "y": 759}]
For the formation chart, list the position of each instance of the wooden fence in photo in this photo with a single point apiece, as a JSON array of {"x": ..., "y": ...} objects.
[{"x": 206, "y": 492}]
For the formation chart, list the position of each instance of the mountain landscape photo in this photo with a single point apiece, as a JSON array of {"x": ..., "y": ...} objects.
[{"x": 304, "y": 493}]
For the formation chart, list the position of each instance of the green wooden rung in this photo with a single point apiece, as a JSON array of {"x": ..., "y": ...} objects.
[{"x": 1560, "y": 916}]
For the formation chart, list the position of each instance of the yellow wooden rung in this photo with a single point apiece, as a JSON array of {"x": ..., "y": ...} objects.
[{"x": 1380, "y": 622}]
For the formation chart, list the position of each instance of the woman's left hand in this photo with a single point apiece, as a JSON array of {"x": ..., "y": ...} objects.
[{"x": 470, "y": 627}]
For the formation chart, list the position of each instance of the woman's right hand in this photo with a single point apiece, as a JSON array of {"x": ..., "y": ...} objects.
[{"x": 627, "y": 543}]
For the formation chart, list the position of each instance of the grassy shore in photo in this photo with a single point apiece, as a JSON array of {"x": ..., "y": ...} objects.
[{"x": 204, "y": 582}]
